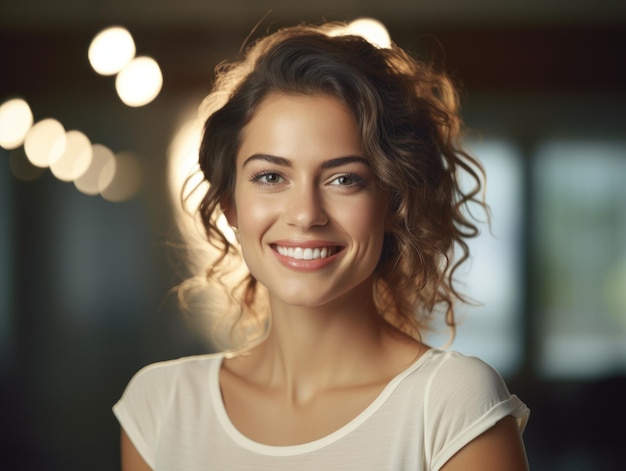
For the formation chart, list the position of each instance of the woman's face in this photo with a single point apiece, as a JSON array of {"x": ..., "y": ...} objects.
[{"x": 310, "y": 215}]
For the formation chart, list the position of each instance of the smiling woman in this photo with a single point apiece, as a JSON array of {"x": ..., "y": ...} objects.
[
  {"x": 301, "y": 185},
  {"x": 337, "y": 163}
]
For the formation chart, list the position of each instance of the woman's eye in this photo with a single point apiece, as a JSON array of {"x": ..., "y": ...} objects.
[
  {"x": 348, "y": 180},
  {"x": 267, "y": 178}
]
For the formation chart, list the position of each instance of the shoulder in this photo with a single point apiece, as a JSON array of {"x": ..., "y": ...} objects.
[
  {"x": 464, "y": 398},
  {"x": 463, "y": 375},
  {"x": 148, "y": 400},
  {"x": 468, "y": 386},
  {"x": 181, "y": 367},
  {"x": 153, "y": 385},
  {"x": 444, "y": 381}
]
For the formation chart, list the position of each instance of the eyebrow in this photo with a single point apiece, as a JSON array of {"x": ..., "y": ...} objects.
[{"x": 332, "y": 163}]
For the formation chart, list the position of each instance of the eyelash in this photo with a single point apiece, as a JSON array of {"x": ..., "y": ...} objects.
[
  {"x": 256, "y": 177},
  {"x": 357, "y": 181}
]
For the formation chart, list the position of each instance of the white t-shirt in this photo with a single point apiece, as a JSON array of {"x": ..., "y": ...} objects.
[{"x": 174, "y": 415}]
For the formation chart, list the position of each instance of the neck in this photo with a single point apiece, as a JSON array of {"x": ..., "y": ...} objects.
[{"x": 311, "y": 349}]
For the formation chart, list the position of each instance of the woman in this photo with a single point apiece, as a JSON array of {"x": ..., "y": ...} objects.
[{"x": 336, "y": 163}]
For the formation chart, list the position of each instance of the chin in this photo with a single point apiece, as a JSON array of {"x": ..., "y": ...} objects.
[{"x": 307, "y": 297}]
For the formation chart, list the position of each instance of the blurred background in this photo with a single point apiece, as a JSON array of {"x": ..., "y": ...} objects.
[{"x": 86, "y": 262}]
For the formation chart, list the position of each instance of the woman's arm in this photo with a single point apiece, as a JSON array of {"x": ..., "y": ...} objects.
[
  {"x": 498, "y": 449},
  {"x": 131, "y": 459}
]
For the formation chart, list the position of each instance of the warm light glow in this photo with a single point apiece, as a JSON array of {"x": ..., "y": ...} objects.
[
  {"x": 90, "y": 182},
  {"x": 182, "y": 161},
  {"x": 75, "y": 160},
  {"x": 184, "y": 177},
  {"x": 124, "y": 175},
  {"x": 372, "y": 30},
  {"x": 139, "y": 82},
  {"x": 45, "y": 142},
  {"x": 225, "y": 228},
  {"x": 183, "y": 172},
  {"x": 111, "y": 50},
  {"x": 15, "y": 121}
]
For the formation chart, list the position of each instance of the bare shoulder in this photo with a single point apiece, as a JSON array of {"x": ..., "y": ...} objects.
[{"x": 498, "y": 449}]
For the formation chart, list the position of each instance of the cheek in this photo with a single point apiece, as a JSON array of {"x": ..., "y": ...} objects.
[
  {"x": 253, "y": 215},
  {"x": 366, "y": 220}
]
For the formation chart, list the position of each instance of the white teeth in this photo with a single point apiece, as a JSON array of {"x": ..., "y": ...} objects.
[{"x": 300, "y": 253}]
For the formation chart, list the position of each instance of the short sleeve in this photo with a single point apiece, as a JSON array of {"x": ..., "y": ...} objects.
[
  {"x": 142, "y": 407},
  {"x": 464, "y": 398}
]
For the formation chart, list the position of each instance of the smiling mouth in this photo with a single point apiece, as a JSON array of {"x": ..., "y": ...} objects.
[{"x": 306, "y": 253}]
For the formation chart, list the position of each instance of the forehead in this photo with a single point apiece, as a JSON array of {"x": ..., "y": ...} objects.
[{"x": 301, "y": 126}]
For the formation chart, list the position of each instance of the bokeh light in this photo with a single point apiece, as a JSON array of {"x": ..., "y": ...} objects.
[
  {"x": 45, "y": 142},
  {"x": 76, "y": 158},
  {"x": 139, "y": 82},
  {"x": 91, "y": 182},
  {"x": 111, "y": 50},
  {"x": 16, "y": 119},
  {"x": 125, "y": 177}
]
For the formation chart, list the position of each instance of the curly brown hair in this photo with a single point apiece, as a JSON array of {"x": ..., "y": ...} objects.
[{"x": 407, "y": 113}]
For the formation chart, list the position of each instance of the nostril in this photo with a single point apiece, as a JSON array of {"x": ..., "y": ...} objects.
[{"x": 306, "y": 213}]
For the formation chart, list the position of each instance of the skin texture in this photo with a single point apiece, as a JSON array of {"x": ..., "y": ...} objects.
[{"x": 302, "y": 181}]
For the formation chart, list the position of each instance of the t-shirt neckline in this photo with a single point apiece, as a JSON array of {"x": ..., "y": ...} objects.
[{"x": 292, "y": 450}]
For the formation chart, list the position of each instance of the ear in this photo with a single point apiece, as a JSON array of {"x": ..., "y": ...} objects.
[{"x": 230, "y": 211}]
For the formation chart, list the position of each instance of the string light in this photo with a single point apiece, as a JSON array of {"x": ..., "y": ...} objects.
[{"x": 71, "y": 157}]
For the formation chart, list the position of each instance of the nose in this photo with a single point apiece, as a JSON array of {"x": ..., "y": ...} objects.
[{"x": 305, "y": 209}]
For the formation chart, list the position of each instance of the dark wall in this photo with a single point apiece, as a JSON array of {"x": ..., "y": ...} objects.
[{"x": 88, "y": 280}]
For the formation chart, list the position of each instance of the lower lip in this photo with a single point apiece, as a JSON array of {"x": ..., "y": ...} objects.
[{"x": 306, "y": 265}]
